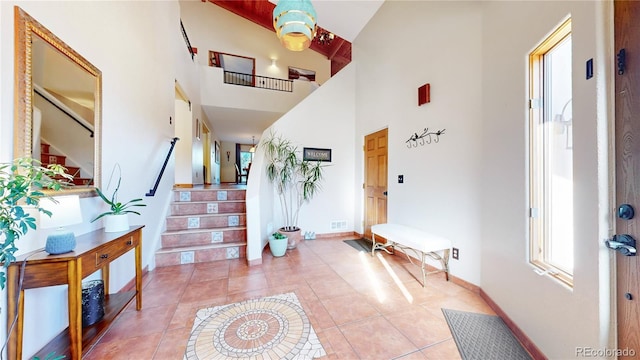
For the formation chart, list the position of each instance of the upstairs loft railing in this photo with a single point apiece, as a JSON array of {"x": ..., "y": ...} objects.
[
  {"x": 258, "y": 81},
  {"x": 186, "y": 40}
]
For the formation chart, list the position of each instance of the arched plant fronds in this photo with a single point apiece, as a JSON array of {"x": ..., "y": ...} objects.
[{"x": 296, "y": 181}]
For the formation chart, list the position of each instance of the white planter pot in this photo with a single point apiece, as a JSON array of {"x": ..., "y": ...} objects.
[{"x": 116, "y": 223}]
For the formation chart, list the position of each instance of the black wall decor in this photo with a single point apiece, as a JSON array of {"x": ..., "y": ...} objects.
[
  {"x": 427, "y": 137},
  {"x": 315, "y": 154}
]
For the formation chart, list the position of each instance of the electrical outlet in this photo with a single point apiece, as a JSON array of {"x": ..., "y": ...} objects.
[{"x": 455, "y": 253}]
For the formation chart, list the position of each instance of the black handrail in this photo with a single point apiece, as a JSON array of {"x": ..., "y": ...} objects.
[
  {"x": 152, "y": 192},
  {"x": 263, "y": 82},
  {"x": 186, "y": 39},
  {"x": 64, "y": 111}
]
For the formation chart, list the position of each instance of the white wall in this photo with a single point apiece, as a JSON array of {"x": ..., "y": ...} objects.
[
  {"x": 472, "y": 185},
  {"x": 578, "y": 317},
  {"x": 310, "y": 124},
  {"x": 437, "y": 43},
  {"x": 184, "y": 130},
  {"x": 131, "y": 43}
]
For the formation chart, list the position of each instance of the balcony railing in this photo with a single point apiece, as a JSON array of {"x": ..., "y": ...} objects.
[
  {"x": 257, "y": 81},
  {"x": 186, "y": 40}
]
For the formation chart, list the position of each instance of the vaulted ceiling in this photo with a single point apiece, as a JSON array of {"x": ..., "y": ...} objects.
[
  {"x": 344, "y": 18},
  {"x": 338, "y": 51}
]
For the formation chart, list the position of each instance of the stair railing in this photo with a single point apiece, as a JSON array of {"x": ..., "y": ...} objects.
[
  {"x": 73, "y": 117},
  {"x": 152, "y": 192}
]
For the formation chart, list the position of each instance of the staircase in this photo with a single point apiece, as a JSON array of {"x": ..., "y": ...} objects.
[
  {"x": 48, "y": 157},
  {"x": 205, "y": 225}
]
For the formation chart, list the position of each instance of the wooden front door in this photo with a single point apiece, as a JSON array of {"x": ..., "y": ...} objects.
[
  {"x": 627, "y": 125},
  {"x": 375, "y": 180}
]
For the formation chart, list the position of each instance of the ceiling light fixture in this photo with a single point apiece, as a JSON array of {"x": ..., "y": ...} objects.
[
  {"x": 295, "y": 23},
  {"x": 325, "y": 37},
  {"x": 253, "y": 144}
]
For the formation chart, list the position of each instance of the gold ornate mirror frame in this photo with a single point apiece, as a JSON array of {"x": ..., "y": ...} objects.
[{"x": 25, "y": 29}]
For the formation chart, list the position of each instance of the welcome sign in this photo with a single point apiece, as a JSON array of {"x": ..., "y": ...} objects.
[{"x": 315, "y": 154}]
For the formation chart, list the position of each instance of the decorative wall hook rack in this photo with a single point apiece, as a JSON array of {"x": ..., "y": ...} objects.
[{"x": 426, "y": 137}]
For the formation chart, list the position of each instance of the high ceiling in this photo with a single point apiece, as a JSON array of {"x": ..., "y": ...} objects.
[{"x": 344, "y": 18}]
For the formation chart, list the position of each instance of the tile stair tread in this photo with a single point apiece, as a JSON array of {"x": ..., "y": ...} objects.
[
  {"x": 205, "y": 215},
  {"x": 218, "y": 187},
  {"x": 197, "y": 230},
  {"x": 199, "y": 247},
  {"x": 206, "y": 201}
]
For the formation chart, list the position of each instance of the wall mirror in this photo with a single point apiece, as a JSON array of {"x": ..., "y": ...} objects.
[{"x": 57, "y": 104}]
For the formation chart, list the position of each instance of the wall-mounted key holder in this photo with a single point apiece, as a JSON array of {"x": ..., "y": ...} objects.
[{"x": 427, "y": 137}]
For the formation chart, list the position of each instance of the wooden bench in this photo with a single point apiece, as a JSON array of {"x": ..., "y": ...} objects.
[{"x": 422, "y": 243}]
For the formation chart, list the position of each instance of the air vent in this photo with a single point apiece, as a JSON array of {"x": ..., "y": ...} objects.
[{"x": 339, "y": 225}]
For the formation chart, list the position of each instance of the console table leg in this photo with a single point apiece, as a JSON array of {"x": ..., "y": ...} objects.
[
  {"x": 14, "y": 349},
  {"x": 139, "y": 276},
  {"x": 75, "y": 308}
]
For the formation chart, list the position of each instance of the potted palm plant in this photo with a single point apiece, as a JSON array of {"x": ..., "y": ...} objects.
[
  {"x": 296, "y": 181},
  {"x": 21, "y": 185},
  {"x": 117, "y": 218}
]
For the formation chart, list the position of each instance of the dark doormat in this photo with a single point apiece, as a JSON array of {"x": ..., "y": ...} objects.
[
  {"x": 359, "y": 244},
  {"x": 483, "y": 337}
]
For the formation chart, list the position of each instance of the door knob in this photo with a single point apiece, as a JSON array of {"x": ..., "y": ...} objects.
[{"x": 625, "y": 244}]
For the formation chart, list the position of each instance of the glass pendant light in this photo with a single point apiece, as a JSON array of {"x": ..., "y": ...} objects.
[{"x": 295, "y": 23}]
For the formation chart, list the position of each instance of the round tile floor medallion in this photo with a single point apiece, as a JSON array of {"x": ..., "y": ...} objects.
[{"x": 276, "y": 327}]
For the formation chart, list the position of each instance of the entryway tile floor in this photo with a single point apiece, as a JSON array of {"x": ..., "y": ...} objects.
[{"x": 361, "y": 307}]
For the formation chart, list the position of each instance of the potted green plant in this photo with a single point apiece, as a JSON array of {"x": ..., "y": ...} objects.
[
  {"x": 21, "y": 185},
  {"x": 278, "y": 244},
  {"x": 296, "y": 181},
  {"x": 117, "y": 218}
]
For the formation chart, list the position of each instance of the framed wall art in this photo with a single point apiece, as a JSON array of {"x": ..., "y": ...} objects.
[
  {"x": 315, "y": 154},
  {"x": 301, "y": 74}
]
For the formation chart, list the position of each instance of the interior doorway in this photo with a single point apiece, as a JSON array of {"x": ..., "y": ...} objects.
[
  {"x": 375, "y": 180},
  {"x": 244, "y": 158},
  {"x": 207, "y": 154}
]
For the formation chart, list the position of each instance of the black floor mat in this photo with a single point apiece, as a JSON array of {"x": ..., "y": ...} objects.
[
  {"x": 359, "y": 244},
  {"x": 481, "y": 336}
]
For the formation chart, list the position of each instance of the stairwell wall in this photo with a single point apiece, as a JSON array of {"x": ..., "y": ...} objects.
[
  {"x": 311, "y": 123},
  {"x": 136, "y": 46}
]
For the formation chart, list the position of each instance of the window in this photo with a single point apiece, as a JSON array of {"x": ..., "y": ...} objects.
[{"x": 551, "y": 156}]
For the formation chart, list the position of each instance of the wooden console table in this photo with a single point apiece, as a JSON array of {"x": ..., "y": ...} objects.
[{"x": 94, "y": 251}]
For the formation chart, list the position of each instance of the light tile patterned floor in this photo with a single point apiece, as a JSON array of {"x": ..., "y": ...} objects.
[
  {"x": 274, "y": 327},
  {"x": 361, "y": 307}
]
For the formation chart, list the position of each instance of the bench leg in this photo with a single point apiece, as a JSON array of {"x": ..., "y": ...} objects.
[
  {"x": 424, "y": 275},
  {"x": 445, "y": 264},
  {"x": 381, "y": 246}
]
